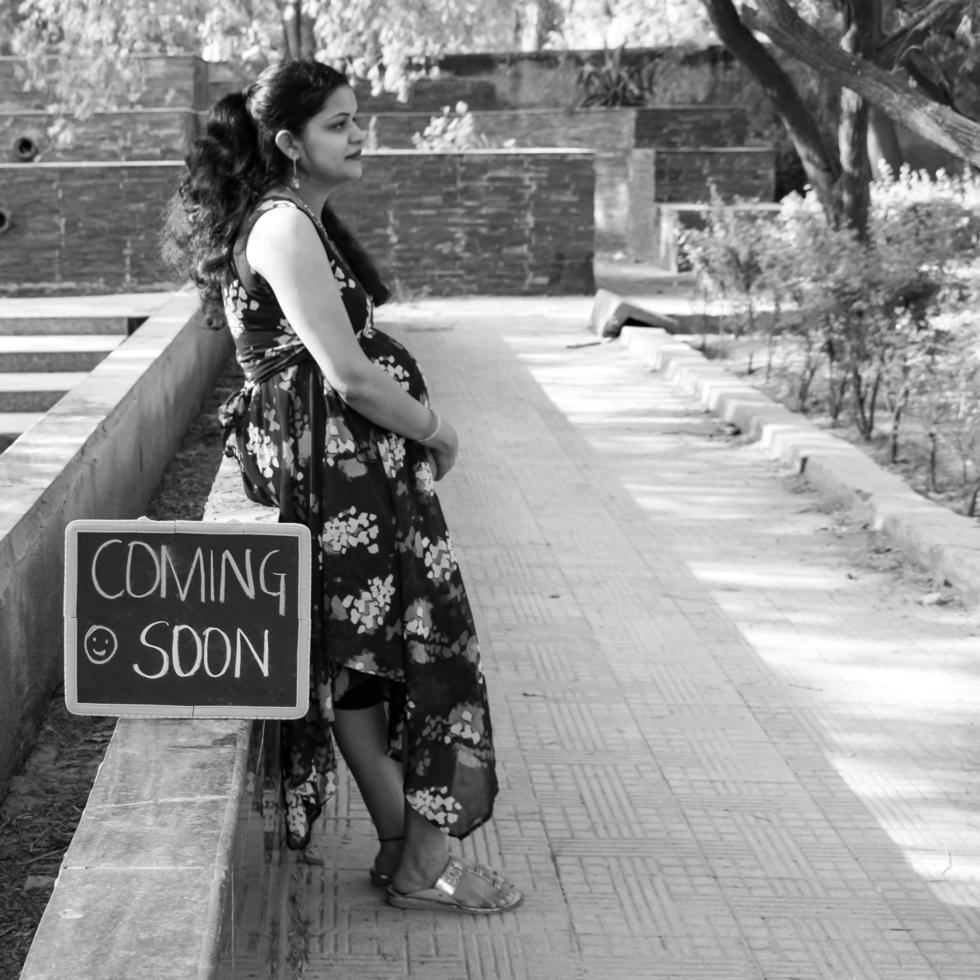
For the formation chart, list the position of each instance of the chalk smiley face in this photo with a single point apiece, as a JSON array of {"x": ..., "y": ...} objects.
[{"x": 100, "y": 645}]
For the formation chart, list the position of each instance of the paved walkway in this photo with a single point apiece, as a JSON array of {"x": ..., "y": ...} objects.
[{"x": 730, "y": 748}]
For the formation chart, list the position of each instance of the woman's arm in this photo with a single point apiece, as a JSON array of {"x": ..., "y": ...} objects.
[{"x": 284, "y": 248}]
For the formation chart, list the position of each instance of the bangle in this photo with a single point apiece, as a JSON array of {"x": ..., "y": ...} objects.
[{"x": 425, "y": 440}]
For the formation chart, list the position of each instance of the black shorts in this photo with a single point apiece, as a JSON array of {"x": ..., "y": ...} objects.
[{"x": 365, "y": 691}]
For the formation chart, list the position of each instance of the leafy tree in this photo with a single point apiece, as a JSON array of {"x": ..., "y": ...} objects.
[
  {"x": 92, "y": 41},
  {"x": 587, "y": 24},
  {"x": 861, "y": 62}
]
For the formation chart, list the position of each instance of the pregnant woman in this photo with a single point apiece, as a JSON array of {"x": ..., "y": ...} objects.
[{"x": 333, "y": 427}]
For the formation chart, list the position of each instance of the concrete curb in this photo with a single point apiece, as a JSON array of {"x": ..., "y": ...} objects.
[{"x": 947, "y": 544}]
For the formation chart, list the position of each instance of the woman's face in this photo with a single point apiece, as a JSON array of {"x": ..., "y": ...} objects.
[{"x": 330, "y": 144}]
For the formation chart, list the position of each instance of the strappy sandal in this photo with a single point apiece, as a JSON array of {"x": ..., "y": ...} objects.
[
  {"x": 381, "y": 879},
  {"x": 442, "y": 896}
]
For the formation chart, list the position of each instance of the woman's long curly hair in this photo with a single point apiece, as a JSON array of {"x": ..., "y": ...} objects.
[{"x": 235, "y": 163}]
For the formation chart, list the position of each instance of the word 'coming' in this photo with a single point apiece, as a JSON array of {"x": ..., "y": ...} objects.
[{"x": 142, "y": 570}]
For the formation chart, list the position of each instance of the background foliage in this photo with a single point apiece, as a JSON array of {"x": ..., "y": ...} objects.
[{"x": 883, "y": 335}]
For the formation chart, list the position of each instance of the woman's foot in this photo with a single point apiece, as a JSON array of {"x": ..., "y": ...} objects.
[
  {"x": 387, "y": 860},
  {"x": 460, "y": 887}
]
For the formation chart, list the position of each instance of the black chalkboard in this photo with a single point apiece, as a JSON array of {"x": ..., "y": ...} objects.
[{"x": 187, "y": 619}]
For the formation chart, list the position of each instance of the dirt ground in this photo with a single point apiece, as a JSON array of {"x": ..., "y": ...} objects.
[{"x": 39, "y": 815}]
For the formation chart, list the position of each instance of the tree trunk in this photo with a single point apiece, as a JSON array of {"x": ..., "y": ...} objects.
[
  {"x": 821, "y": 166},
  {"x": 943, "y": 126},
  {"x": 291, "y": 13},
  {"x": 860, "y": 38},
  {"x": 883, "y": 144}
]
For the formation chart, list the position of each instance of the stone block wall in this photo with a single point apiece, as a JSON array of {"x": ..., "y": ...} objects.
[
  {"x": 549, "y": 78},
  {"x": 426, "y": 95},
  {"x": 171, "y": 81},
  {"x": 494, "y": 222},
  {"x": 691, "y": 126},
  {"x": 687, "y": 175},
  {"x": 140, "y": 134},
  {"x": 84, "y": 227}
]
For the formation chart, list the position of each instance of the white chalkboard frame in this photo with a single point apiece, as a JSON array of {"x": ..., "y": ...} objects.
[{"x": 145, "y": 526}]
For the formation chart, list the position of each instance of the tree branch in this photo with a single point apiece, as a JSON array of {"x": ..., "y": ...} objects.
[
  {"x": 794, "y": 35},
  {"x": 820, "y": 163},
  {"x": 893, "y": 48}
]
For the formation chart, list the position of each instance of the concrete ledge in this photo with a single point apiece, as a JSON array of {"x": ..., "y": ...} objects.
[
  {"x": 140, "y": 892},
  {"x": 98, "y": 453},
  {"x": 174, "y": 870},
  {"x": 947, "y": 544}
]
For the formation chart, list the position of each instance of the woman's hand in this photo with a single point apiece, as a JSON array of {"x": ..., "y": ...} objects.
[{"x": 442, "y": 451}]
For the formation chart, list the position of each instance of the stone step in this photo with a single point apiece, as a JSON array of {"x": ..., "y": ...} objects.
[
  {"x": 117, "y": 313},
  {"x": 33, "y": 391},
  {"x": 12, "y": 424},
  {"x": 104, "y": 326},
  {"x": 54, "y": 352}
]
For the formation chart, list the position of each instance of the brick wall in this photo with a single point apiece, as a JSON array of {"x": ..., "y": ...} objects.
[
  {"x": 91, "y": 226},
  {"x": 495, "y": 223},
  {"x": 427, "y": 95},
  {"x": 686, "y": 175},
  {"x": 691, "y": 126},
  {"x": 609, "y": 129},
  {"x": 145, "y": 134},
  {"x": 179, "y": 81},
  {"x": 548, "y": 78}
]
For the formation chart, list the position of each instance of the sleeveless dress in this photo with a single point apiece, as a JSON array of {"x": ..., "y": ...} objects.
[{"x": 388, "y": 597}]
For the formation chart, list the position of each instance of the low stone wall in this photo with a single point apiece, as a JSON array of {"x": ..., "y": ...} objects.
[
  {"x": 687, "y": 175},
  {"x": 84, "y": 227},
  {"x": 549, "y": 78},
  {"x": 98, "y": 453},
  {"x": 139, "y": 134},
  {"x": 493, "y": 222},
  {"x": 170, "y": 80},
  {"x": 691, "y": 126},
  {"x": 615, "y": 129},
  {"x": 496, "y": 222}
]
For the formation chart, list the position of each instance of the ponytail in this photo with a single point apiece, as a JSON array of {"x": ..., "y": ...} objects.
[{"x": 227, "y": 173}]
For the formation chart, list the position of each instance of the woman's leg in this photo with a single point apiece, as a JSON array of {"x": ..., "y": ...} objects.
[
  {"x": 417, "y": 861},
  {"x": 362, "y": 737}
]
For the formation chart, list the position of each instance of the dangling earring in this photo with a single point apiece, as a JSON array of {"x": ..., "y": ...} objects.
[{"x": 294, "y": 180}]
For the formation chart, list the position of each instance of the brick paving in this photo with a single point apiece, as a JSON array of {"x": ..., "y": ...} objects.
[{"x": 729, "y": 746}]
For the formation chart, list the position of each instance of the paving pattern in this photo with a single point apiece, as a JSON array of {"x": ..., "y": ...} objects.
[{"x": 730, "y": 747}]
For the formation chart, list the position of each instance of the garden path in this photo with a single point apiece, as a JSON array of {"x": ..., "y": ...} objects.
[{"x": 733, "y": 741}]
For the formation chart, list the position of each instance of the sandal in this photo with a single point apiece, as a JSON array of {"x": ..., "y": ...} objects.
[
  {"x": 381, "y": 879},
  {"x": 442, "y": 896}
]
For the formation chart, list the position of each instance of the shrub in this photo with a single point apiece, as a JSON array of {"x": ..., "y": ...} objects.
[
  {"x": 452, "y": 129},
  {"x": 891, "y": 324}
]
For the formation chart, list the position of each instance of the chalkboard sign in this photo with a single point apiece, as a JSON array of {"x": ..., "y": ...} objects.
[{"x": 187, "y": 619}]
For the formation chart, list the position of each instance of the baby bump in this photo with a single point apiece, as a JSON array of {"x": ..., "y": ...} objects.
[{"x": 394, "y": 359}]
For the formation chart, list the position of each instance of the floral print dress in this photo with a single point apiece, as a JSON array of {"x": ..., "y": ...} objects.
[{"x": 388, "y": 598}]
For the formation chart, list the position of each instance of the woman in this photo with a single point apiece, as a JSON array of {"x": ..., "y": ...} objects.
[{"x": 333, "y": 427}]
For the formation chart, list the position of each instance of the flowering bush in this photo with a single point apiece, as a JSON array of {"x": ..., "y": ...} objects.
[{"x": 452, "y": 130}]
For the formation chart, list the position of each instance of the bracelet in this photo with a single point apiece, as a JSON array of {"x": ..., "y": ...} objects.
[{"x": 425, "y": 440}]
